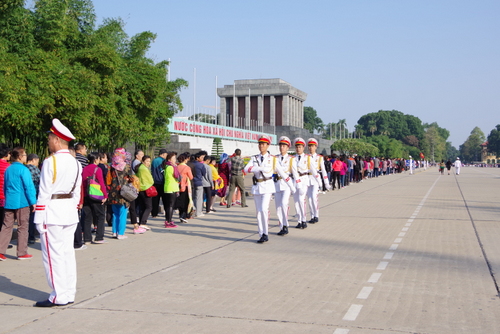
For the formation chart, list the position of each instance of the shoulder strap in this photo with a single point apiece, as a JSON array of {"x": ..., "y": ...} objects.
[{"x": 55, "y": 169}]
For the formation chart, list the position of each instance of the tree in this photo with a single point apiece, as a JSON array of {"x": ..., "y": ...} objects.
[
  {"x": 354, "y": 146},
  {"x": 98, "y": 81},
  {"x": 312, "y": 122},
  {"x": 494, "y": 141},
  {"x": 470, "y": 150}
]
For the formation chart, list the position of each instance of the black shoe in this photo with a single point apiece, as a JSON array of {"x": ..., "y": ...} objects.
[
  {"x": 304, "y": 225},
  {"x": 228, "y": 206},
  {"x": 283, "y": 231},
  {"x": 31, "y": 242},
  {"x": 263, "y": 239},
  {"x": 299, "y": 225},
  {"x": 244, "y": 206},
  {"x": 312, "y": 221},
  {"x": 48, "y": 303},
  {"x": 10, "y": 246}
]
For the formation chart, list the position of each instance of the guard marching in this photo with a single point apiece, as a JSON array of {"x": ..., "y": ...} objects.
[
  {"x": 56, "y": 216},
  {"x": 263, "y": 166},
  {"x": 283, "y": 191},
  {"x": 318, "y": 163},
  {"x": 302, "y": 169}
]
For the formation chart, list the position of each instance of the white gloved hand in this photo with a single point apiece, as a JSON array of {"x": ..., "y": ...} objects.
[{"x": 41, "y": 228}]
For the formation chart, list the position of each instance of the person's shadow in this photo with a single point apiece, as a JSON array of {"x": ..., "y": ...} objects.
[{"x": 20, "y": 291}]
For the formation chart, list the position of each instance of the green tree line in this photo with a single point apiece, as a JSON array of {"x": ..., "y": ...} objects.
[{"x": 55, "y": 62}]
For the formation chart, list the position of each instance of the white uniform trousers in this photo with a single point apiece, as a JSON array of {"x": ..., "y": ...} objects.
[
  {"x": 312, "y": 197},
  {"x": 262, "y": 208},
  {"x": 457, "y": 170},
  {"x": 300, "y": 204},
  {"x": 59, "y": 261},
  {"x": 282, "y": 199}
]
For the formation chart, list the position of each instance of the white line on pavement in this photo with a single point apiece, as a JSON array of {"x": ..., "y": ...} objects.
[
  {"x": 410, "y": 220},
  {"x": 388, "y": 255},
  {"x": 382, "y": 265},
  {"x": 374, "y": 277},
  {"x": 398, "y": 240},
  {"x": 405, "y": 229},
  {"x": 402, "y": 234},
  {"x": 365, "y": 292},
  {"x": 393, "y": 247},
  {"x": 408, "y": 224},
  {"x": 341, "y": 331},
  {"x": 353, "y": 312}
]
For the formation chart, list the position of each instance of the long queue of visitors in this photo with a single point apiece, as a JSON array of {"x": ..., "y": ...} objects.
[
  {"x": 188, "y": 183},
  {"x": 75, "y": 193}
]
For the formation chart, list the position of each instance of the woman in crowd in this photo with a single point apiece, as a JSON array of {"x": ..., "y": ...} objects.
[
  {"x": 119, "y": 174},
  {"x": 343, "y": 171},
  {"x": 218, "y": 182},
  {"x": 20, "y": 194},
  {"x": 224, "y": 172},
  {"x": 93, "y": 208},
  {"x": 145, "y": 203},
  {"x": 337, "y": 167},
  {"x": 171, "y": 188},
  {"x": 184, "y": 202}
]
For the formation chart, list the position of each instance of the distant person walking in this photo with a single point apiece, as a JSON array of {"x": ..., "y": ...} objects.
[
  {"x": 448, "y": 166},
  {"x": 237, "y": 180},
  {"x": 458, "y": 164}
]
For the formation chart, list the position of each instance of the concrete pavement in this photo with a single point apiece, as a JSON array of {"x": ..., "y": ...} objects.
[{"x": 396, "y": 254}]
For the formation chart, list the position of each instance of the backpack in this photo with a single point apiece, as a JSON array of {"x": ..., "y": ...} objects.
[{"x": 158, "y": 176}]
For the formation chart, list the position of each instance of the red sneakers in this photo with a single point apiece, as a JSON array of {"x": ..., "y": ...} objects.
[
  {"x": 2, "y": 257},
  {"x": 25, "y": 257}
]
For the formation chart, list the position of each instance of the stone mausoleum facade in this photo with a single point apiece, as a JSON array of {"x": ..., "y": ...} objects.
[{"x": 261, "y": 104}]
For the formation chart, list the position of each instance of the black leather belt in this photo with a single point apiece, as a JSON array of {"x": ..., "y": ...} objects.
[{"x": 61, "y": 196}]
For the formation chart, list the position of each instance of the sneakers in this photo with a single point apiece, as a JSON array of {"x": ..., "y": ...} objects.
[
  {"x": 2, "y": 257},
  {"x": 121, "y": 237},
  {"x": 170, "y": 225},
  {"x": 183, "y": 220},
  {"x": 139, "y": 230},
  {"x": 100, "y": 242},
  {"x": 82, "y": 247},
  {"x": 25, "y": 257},
  {"x": 114, "y": 235},
  {"x": 145, "y": 227}
]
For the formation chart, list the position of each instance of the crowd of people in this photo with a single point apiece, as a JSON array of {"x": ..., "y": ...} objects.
[{"x": 75, "y": 193}]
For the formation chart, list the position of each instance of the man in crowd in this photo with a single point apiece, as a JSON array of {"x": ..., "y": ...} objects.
[
  {"x": 81, "y": 154},
  {"x": 237, "y": 179},
  {"x": 457, "y": 164},
  {"x": 32, "y": 163},
  {"x": 4, "y": 158},
  {"x": 56, "y": 216},
  {"x": 200, "y": 172},
  {"x": 159, "y": 180}
]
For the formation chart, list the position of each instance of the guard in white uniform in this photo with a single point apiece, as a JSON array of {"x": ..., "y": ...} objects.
[
  {"x": 302, "y": 168},
  {"x": 263, "y": 166},
  {"x": 317, "y": 161},
  {"x": 56, "y": 216},
  {"x": 457, "y": 164},
  {"x": 282, "y": 195}
]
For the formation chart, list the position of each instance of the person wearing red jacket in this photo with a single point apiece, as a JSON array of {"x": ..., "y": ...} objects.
[{"x": 4, "y": 158}]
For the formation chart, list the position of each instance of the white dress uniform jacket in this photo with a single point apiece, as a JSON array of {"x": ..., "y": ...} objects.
[
  {"x": 60, "y": 173},
  {"x": 318, "y": 162},
  {"x": 285, "y": 163}
]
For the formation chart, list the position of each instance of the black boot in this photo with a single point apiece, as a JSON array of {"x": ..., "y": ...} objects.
[
  {"x": 283, "y": 231},
  {"x": 299, "y": 225},
  {"x": 263, "y": 239},
  {"x": 304, "y": 225}
]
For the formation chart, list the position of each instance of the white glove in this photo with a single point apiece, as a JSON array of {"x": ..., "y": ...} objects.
[{"x": 41, "y": 228}]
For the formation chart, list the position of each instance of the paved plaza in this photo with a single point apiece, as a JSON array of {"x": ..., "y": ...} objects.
[{"x": 395, "y": 254}]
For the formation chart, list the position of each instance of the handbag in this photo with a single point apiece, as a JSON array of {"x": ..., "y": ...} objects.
[
  {"x": 128, "y": 191},
  {"x": 94, "y": 188},
  {"x": 151, "y": 192}
]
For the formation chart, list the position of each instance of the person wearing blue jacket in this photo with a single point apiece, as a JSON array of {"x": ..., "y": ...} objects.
[{"x": 20, "y": 195}]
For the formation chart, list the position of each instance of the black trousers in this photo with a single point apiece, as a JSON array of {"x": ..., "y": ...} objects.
[
  {"x": 169, "y": 200},
  {"x": 207, "y": 192},
  {"x": 182, "y": 204},
  {"x": 93, "y": 213},
  {"x": 156, "y": 200},
  {"x": 145, "y": 206}
]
